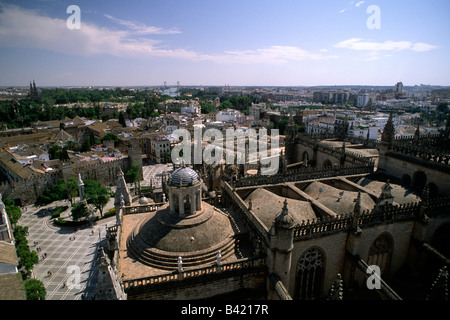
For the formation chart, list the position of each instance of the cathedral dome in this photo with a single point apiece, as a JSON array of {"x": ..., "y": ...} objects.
[
  {"x": 184, "y": 177},
  {"x": 159, "y": 239}
]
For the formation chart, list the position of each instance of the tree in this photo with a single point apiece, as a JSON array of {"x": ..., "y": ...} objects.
[
  {"x": 207, "y": 108},
  {"x": 71, "y": 189},
  {"x": 281, "y": 125},
  {"x": 79, "y": 211},
  {"x": 443, "y": 107},
  {"x": 96, "y": 194},
  {"x": 134, "y": 175},
  {"x": 27, "y": 258},
  {"x": 110, "y": 136},
  {"x": 86, "y": 145},
  {"x": 34, "y": 289},
  {"x": 64, "y": 155},
  {"x": 13, "y": 212},
  {"x": 54, "y": 152},
  {"x": 74, "y": 146}
]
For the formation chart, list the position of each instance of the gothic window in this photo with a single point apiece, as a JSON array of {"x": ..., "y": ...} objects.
[
  {"x": 327, "y": 164},
  {"x": 305, "y": 156},
  {"x": 309, "y": 275},
  {"x": 419, "y": 180},
  {"x": 380, "y": 253}
]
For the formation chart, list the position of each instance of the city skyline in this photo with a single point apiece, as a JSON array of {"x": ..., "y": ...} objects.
[{"x": 251, "y": 43}]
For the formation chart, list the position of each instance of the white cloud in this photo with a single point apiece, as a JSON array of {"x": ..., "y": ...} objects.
[
  {"x": 368, "y": 45},
  {"x": 351, "y": 5},
  {"x": 28, "y": 29},
  {"x": 272, "y": 54},
  {"x": 422, "y": 47},
  {"x": 141, "y": 29}
]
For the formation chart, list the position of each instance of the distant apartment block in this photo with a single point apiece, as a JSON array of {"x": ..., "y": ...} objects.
[
  {"x": 331, "y": 97},
  {"x": 362, "y": 99},
  {"x": 256, "y": 109}
]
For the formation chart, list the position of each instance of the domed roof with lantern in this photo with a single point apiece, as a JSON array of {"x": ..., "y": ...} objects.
[{"x": 184, "y": 177}]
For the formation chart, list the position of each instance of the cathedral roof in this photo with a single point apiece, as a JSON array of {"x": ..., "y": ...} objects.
[
  {"x": 340, "y": 201},
  {"x": 400, "y": 194},
  {"x": 267, "y": 206},
  {"x": 159, "y": 239}
]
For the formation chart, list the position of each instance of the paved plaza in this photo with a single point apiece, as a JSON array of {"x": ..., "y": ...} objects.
[
  {"x": 71, "y": 254},
  {"x": 155, "y": 172}
]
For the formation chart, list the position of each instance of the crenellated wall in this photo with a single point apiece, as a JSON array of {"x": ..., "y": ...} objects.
[{"x": 28, "y": 190}]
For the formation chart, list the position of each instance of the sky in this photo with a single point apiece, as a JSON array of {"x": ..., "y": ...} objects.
[{"x": 228, "y": 42}]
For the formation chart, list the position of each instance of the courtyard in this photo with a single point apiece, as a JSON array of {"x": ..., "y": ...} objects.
[{"x": 67, "y": 256}]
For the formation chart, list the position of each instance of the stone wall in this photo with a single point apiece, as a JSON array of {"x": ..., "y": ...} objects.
[
  {"x": 392, "y": 164},
  {"x": 401, "y": 234},
  {"x": 333, "y": 249},
  {"x": 105, "y": 173},
  {"x": 28, "y": 190},
  {"x": 201, "y": 288}
]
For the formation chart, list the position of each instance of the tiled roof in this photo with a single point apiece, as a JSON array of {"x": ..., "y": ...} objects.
[{"x": 185, "y": 177}]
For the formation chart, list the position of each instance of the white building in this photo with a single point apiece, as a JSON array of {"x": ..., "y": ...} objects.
[
  {"x": 256, "y": 108},
  {"x": 362, "y": 99},
  {"x": 191, "y": 109},
  {"x": 399, "y": 87},
  {"x": 5, "y": 226},
  {"x": 228, "y": 115},
  {"x": 160, "y": 148},
  {"x": 361, "y": 132}
]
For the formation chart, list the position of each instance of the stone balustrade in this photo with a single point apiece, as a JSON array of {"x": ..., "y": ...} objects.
[{"x": 193, "y": 273}]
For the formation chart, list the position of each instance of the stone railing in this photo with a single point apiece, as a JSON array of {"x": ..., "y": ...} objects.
[
  {"x": 437, "y": 206},
  {"x": 194, "y": 273},
  {"x": 389, "y": 213},
  {"x": 142, "y": 208},
  {"x": 422, "y": 152},
  {"x": 429, "y": 139},
  {"x": 303, "y": 174},
  {"x": 320, "y": 226},
  {"x": 383, "y": 214},
  {"x": 253, "y": 220},
  {"x": 313, "y": 141}
]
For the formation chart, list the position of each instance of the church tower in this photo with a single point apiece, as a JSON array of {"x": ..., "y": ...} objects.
[
  {"x": 134, "y": 153},
  {"x": 281, "y": 246},
  {"x": 387, "y": 140},
  {"x": 289, "y": 140},
  {"x": 122, "y": 195}
]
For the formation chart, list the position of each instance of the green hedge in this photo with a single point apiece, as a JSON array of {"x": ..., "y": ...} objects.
[
  {"x": 58, "y": 212},
  {"x": 66, "y": 223}
]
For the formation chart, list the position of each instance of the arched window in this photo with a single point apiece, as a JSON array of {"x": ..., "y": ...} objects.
[
  {"x": 187, "y": 204},
  {"x": 309, "y": 275},
  {"x": 419, "y": 180},
  {"x": 327, "y": 164},
  {"x": 176, "y": 203},
  {"x": 380, "y": 253},
  {"x": 305, "y": 156}
]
